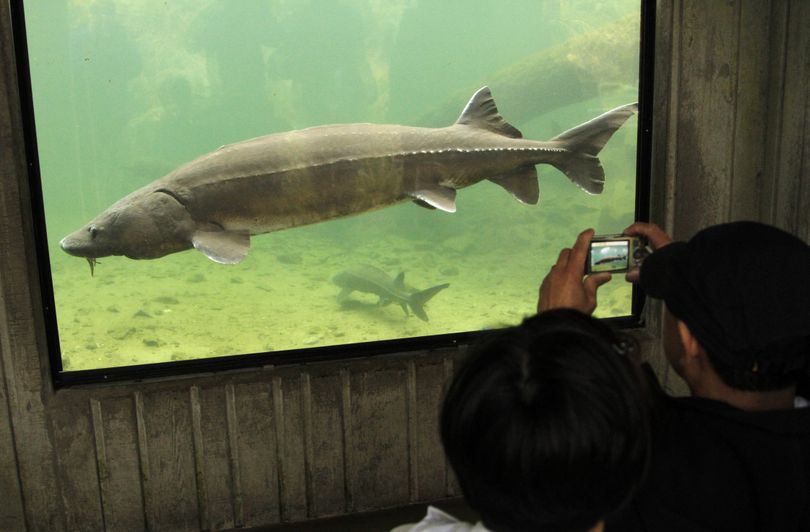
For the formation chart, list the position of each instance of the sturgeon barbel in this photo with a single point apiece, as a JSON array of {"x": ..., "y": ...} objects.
[{"x": 216, "y": 202}]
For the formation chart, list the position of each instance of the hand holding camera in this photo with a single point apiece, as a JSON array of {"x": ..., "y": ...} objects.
[
  {"x": 564, "y": 286},
  {"x": 616, "y": 253},
  {"x": 655, "y": 237},
  {"x": 568, "y": 286}
]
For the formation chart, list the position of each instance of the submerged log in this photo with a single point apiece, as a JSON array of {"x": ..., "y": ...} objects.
[{"x": 579, "y": 69}]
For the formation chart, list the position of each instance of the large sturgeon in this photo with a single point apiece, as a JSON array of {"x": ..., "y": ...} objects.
[{"x": 216, "y": 202}]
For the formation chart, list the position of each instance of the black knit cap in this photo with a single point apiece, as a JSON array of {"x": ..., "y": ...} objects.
[{"x": 743, "y": 289}]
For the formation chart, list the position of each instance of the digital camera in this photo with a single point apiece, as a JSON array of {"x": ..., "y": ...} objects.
[{"x": 615, "y": 253}]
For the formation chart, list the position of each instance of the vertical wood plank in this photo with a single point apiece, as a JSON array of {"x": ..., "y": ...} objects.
[
  {"x": 326, "y": 467},
  {"x": 216, "y": 461},
  {"x": 280, "y": 439},
  {"x": 12, "y": 514},
  {"x": 143, "y": 459},
  {"x": 172, "y": 481},
  {"x": 199, "y": 458},
  {"x": 665, "y": 114},
  {"x": 233, "y": 456},
  {"x": 290, "y": 447},
  {"x": 120, "y": 486},
  {"x": 789, "y": 207},
  {"x": 800, "y": 57},
  {"x": 412, "y": 416},
  {"x": 776, "y": 113},
  {"x": 664, "y": 155},
  {"x": 306, "y": 427},
  {"x": 708, "y": 58},
  {"x": 77, "y": 467},
  {"x": 429, "y": 392},
  {"x": 751, "y": 116},
  {"x": 450, "y": 482},
  {"x": 803, "y": 222},
  {"x": 379, "y": 430},
  {"x": 24, "y": 361},
  {"x": 348, "y": 438},
  {"x": 102, "y": 467},
  {"x": 257, "y": 453}
]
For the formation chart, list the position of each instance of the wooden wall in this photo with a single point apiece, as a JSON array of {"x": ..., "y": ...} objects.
[
  {"x": 732, "y": 131},
  {"x": 731, "y": 141}
]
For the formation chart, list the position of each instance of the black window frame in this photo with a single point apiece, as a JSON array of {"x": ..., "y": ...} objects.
[{"x": 62, "y": 378}]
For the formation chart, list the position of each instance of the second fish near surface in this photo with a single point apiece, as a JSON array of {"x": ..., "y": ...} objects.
[{"x": 218, "y": 201}]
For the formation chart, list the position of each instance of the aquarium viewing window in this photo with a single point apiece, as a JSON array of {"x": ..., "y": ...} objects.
[{"x": 327, "y": 242}]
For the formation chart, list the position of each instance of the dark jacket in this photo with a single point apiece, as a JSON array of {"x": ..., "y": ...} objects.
[{"x": 717, "y": 468}]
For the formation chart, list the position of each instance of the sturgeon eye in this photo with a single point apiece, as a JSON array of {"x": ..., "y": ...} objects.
[{"x": 93, "y": 231}]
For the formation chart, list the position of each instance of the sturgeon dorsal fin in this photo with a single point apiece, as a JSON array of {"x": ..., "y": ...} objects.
[
  {"x": 481, "y": 112},
  {"x": 399, "y": 281}
]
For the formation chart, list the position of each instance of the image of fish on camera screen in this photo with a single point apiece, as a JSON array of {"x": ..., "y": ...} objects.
[{"x": 608, "y": 256}]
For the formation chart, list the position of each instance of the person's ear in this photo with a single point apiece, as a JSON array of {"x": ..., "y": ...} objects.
[{"x": 691, "y": 347}]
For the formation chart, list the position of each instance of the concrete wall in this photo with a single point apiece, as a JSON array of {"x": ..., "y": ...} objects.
[{"x": 731, "y": 141}]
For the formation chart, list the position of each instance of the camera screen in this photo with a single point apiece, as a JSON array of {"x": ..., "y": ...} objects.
[{"x": 609, "y": 256}]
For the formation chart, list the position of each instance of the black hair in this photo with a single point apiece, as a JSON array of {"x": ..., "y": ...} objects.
[{"x": 546, "y": 424}]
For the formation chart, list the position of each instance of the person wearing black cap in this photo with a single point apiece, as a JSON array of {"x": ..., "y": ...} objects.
[{"x": 736, "y": 454}]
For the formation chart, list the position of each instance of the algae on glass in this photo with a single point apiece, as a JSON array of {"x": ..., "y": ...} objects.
[{"x": 126, "y": 92}]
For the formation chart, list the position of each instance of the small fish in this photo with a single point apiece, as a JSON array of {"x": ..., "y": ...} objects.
[{"x": 365, "y": 278}]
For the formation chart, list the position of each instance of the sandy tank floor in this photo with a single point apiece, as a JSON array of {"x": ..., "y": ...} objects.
[{"x": 282, "y": 296}]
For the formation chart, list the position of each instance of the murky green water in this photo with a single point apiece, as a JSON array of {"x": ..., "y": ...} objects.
[{"x": 127, "y": 91}]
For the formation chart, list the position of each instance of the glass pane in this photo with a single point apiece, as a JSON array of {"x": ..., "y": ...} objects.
[{"x": 126, "y": 92}]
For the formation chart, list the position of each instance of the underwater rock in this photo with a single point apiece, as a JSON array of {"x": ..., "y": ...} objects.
[
  {"x": 113, "y": 309},
  {"x": 122, "y": 333},
  {"x": 150, "y": 342},
  {"x": 167, "y": 300},
  {"x": 196, "y": 278},
  {"x": 141, "y": 314}
]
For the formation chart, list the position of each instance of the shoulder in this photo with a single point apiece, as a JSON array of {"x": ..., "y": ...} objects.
[{"x": 438, "y": 521}]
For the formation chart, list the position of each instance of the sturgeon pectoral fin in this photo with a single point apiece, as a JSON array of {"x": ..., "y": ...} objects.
[
  {"x": 224, "y": 247},
  {"x": 442, "y": 198},
  {"x": 423, "y": 204},
  {"x": 522, "y": 184}
]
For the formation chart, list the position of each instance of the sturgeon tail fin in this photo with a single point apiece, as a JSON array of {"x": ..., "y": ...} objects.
[
  {"x": 418, "y": 299},
  {"x": 584, "y": 143}
]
